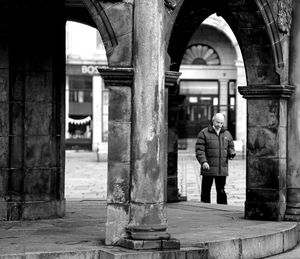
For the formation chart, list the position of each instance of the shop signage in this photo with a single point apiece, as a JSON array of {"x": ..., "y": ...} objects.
[{"x": 89, "y": 69}]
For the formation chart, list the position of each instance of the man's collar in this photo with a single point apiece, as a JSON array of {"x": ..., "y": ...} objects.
[
  {"x": 217, "y": 131},
  {"x": 211, "y": 128}
]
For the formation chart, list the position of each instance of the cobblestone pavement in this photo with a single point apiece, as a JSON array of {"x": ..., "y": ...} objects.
[
  {"x": 189, "y": 180},
  {"x": 87, "y": 179}
]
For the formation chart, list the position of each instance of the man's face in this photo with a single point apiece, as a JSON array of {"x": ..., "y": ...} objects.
[{"x": 218, "y": 122}]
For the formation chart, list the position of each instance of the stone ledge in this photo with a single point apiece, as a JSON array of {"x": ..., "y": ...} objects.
[
  {"x": 114, "y": 253},
  {"x": 164, "y": 244},
  {"x": 266, "y": 91},
  {"x": 32, "y": 210}
]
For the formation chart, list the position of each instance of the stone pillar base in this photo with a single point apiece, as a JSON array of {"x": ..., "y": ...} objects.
[
  {"x": 295, "y": 218},
  {"x": 149, "y": 232},
  {"x": 164, "y": 244},
  {"x": 264, "y": 210},
  {"x": 32, "y": 210}
]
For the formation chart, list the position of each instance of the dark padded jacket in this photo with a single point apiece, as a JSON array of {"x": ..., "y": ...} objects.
[{"x": 215, "y": 150}]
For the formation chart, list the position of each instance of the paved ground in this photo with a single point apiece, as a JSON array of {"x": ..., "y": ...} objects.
[
  {"x": 81, "y": 233},
  {"x": 219, "y": 226},
  {"x": 87, "y": 179}
]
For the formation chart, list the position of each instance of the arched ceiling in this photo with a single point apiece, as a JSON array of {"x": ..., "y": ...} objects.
[{"x": 247, "y": 21}]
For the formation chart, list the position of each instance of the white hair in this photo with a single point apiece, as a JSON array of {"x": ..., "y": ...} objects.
[{"x": 218, "y": 115}]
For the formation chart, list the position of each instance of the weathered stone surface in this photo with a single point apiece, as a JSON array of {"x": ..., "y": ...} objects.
[
  {"x": 119, "y": 139},
  {"x": 265, "y": 172},
  {"x": 38, "y": 114},
  {"x": 262, "y": 142},
  {"x": 262, "y": 194},
  {"x": 229, "y": 248},
  {"x": 178, "y": 254},
  {"x": 290, "y": 238},
  {"x": 39, "y": 151},
  {"x": 4, "y": 50},
  {"x": 3, "y": 182},
  {"x": 43, "y": 210},
  {"x": 4, "y": 118},
  {"x": 117, "y": 220},
  {"x": 4, "y": 152},
  {"x": 122, "y": 54},
  {"x": 140, "y": 244},
  {"x": 120, "y": 103},
  {"x": 265, "y": 210},
  {"x": 260, "y": 74},
  {"x": 17, "y": 84},
  {"x": 27, "y": 55},
  {"x": 263, "y": 113},
  {"x": 17, "y": 151},
  {"x": 38, "y": 87},
  {"x": 17, "y": 110},
  {"x": 293, "y": 194},
  {"x": 260, "y": 247},
  {"x": 118, "y": 181},
  {"x": 3, "y": 209},
  {"x": 4, "y": 84},
  {"x": 293, "y": 174},
  {"x": 170, "y": 244},
  {"x": 148, "y": 214},
  {"x": 282, "y": 142},
  {"x": 32, "y": 95},
  {"x": 40, "y": 184},
  {"x": 195, "y": 253},
  {"x": 15, "y": 189},
  {"x": 121, "y": 17},
  {"x": 114, "y": 21}
]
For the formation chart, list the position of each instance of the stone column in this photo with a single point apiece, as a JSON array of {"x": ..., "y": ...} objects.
[
  {"x": 174, "y": 99},
  {"x": 32, "y": 140},
  {"x": 266, "y": 150},
  {"x": 4, "y": 111},
  {"x": 119, "y": 82},
  {"x": 293, "y": 175},
  {"x": 148, "y": 218}
]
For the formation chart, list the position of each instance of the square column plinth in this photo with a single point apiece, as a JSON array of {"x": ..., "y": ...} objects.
[{"x": 266, "y": 150}]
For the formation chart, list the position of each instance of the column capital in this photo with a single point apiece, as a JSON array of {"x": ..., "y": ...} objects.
[
  {"x": 266, "y": 91},
  {"x": 116, "y": 76}
]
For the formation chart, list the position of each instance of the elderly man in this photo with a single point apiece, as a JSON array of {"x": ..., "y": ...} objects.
[{"x": 213, "y": 148}]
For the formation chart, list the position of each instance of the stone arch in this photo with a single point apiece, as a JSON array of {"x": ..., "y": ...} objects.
[
  {"x": 264, "y": 48},
  {"x": 114, "y": 22},
  {"x": 252, "y": 22},
  {"x": 223, "y": 25}
]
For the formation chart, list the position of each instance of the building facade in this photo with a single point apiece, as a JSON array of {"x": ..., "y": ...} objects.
[
  {"x": 208, "y": 80},
  {"x": 86, "y": 95}
]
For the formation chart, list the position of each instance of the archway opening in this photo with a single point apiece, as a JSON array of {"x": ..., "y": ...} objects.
[
  {"x": 211, "y": 68},
  {"x": 86, "y": 124}
]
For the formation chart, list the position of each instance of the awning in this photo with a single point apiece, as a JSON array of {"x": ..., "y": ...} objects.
[{"x": 80, "y": 121}]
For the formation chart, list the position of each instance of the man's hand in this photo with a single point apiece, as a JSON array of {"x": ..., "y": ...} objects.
[
  {"x": 232, "y": 155},
  {"x": 205, "y": 166}
]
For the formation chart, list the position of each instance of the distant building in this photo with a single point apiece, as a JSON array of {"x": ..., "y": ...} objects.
[
  {"x": 86, "y": 97},
  {"x": 212, "y": 67}
]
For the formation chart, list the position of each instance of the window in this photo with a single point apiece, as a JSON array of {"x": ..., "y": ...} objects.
[{"x": 80, "y": 89}]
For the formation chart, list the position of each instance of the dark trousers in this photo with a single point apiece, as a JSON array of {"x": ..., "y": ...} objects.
[{"x": 220, "y": 182}]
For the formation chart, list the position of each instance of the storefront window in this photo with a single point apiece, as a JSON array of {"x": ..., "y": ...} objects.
[{"x": 80, "y": 89}]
